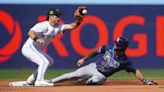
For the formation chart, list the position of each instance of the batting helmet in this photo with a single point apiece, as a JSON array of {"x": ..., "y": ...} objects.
[{"x": 121, "y": 43}]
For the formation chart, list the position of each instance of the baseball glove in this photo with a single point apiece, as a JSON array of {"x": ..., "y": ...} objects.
[
  {"x": 78, "y": 13},
  {"x": 149, "y": 82}
]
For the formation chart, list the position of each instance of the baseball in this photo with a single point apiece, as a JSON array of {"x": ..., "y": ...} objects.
[{"x": 84, "y": 11}]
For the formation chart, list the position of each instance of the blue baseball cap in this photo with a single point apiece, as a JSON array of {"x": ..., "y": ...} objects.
[{"x": 122, "y": 43}]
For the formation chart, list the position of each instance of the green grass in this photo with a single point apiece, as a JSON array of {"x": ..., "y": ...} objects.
[
  {"x": 149, "y": 74},
  {"x": 22, "y": 74},
  {"x": 17, "y": 74}
]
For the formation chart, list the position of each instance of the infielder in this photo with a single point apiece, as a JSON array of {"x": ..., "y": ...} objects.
[
  {"x": 109, "y": 62},
  {"x": 40, "y": 35}
]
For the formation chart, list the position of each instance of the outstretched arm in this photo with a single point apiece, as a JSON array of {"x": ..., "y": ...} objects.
[
  {"x": 140, "y": 77},
  {"x": 78, "y": 19}
]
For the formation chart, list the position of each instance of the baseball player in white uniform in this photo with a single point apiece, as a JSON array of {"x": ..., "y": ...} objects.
[{"x": 40, "y": 35}]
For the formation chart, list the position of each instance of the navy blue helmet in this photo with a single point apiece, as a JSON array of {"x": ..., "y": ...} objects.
[{"x": 121, "y": 44}]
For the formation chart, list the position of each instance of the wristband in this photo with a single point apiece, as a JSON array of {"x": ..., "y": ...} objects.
[
  {"x": 78, "y": 20},
  {"x": 78, "y": 23}
]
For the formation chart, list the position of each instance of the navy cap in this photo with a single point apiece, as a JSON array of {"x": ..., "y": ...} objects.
[
  {"x": 55, "y": 12},
  {"x": 122, "y": 43}
]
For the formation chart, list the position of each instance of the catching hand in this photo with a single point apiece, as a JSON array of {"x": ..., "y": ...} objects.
[{"x": 78, "y": 13}]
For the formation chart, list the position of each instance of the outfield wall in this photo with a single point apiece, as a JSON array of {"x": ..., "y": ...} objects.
[{"x": 142, "y": 24}]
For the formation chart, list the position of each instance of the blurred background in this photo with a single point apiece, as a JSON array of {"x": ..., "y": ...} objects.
[{"x": 141, "y": 21}]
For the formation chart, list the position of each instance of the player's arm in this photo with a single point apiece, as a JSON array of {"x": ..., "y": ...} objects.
[
  {"x": 136, "y": 72},
  {"x": 100, "y": 50},
  {"x": 78, "y": 19},
  {"x": 92, "y": 54},
  {"x": 39, "y": 27},
  {"x": 139, "y": 75},
  {"x": 33, "y": 36}
]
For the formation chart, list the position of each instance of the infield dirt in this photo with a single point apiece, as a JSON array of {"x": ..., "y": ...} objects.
[{"x": 108, "y": 86}]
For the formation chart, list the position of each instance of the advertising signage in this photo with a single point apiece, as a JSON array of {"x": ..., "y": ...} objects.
[{"x": 141, "y": 24}]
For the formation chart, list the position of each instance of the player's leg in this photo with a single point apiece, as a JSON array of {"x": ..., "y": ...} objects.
[
  {"x": 69, "y": 76},
  {"x": 41, "y": 60},
  {"x": 97, "y": 78},
  {"x": 32, "y": 78},
  {"x": 51, "y": 61},
  {"x": 84, "y": 72},
  {"x": 44, "y": 63}
]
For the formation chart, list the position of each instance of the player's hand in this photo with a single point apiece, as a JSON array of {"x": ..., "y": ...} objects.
[
  {"x": 80, "y": 62},
  {"x": 149, "y": 82},
  {"x": 77, "y": 13},
  {"x": 41, "y": 41}
]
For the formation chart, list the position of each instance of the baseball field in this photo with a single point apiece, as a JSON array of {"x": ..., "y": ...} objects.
[{"x": 119, "y": 82}]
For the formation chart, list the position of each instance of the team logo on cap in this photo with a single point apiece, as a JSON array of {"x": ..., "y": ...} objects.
[{"x": 51, "y": 12}]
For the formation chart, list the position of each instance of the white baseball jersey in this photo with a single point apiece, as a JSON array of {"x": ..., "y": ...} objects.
[{"x": 44, "y": 31}]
